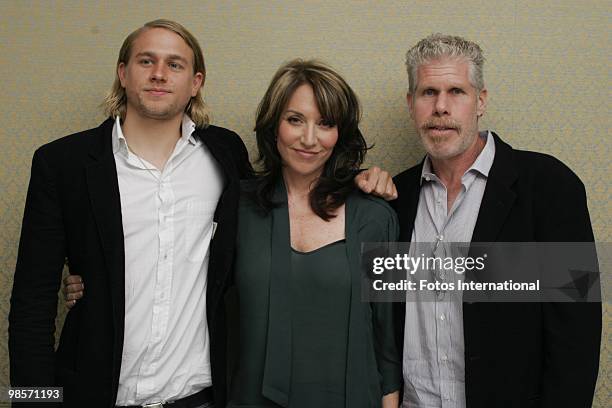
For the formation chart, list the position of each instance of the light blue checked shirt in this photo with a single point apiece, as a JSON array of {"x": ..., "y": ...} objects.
[{"x": 434, "y": 366}]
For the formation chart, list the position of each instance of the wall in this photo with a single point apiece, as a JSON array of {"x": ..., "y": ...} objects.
[{"x": 547, "y": 71}]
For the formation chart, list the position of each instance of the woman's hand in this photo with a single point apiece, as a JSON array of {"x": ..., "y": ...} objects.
[{"x": 73, "y": 289}]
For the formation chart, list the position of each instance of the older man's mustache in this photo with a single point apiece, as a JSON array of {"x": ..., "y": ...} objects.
[{"x": 441, "y": 124}]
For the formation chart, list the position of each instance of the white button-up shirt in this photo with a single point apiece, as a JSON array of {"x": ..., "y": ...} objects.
[
  {"x": 168, "y": 225},
  {"x": 434, "y": 365}
]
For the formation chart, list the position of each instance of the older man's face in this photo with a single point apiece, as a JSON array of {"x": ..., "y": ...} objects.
[{"x": 445, "y": 107}]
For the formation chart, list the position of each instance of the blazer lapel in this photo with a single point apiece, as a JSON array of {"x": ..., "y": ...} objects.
[
  {"x": 495, "y": 207},
  {"x": 103, "y": 189},
  {"x": 406, "y": 205},
  {"x": 222, "y": 245},
  {"x": 276, "y": 382},
  {"x": 220, "y": 153},
  {"x": 498, "y": 197},
  {"x": 407, "y": 202}
]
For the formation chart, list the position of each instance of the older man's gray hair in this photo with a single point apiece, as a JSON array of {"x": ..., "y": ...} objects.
[{"x": 437, "y": 46}]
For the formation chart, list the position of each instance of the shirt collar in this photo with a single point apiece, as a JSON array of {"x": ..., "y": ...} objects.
[
  {"x": 482, "y": 164},
  {"x": 426, "y": 172},
  {"x": 120, "y": 142},
  {"x": 187, "y": 128},
  {"x": 484, "y": 161}
]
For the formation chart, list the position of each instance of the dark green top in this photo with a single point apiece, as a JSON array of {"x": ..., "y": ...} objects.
[
  {"x": 273, "y": 350},
  {"x": 320, "y": 302}
]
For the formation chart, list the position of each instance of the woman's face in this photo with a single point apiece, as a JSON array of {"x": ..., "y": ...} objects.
[{"x": 305, "y": 140}]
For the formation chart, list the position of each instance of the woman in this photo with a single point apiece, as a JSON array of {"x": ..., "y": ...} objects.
[{"x": 306, "y": 338}]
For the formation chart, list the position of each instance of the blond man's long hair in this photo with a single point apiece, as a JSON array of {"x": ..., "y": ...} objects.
[{"x": 114, "y": 103}]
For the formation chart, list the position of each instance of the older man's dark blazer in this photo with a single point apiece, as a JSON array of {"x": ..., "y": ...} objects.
[
  {"x": 73, "y": 214},
  {"x": 522, "y": 354}
]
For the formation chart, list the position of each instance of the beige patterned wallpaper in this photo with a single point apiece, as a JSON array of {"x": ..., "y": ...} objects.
[{"x": 547, "y": 71}]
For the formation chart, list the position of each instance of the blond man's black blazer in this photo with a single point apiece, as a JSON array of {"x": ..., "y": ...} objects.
[{"x": 73, "y": 214}]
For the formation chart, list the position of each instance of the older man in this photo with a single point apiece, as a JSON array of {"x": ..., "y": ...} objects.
[{"x": 473, "y": 187}]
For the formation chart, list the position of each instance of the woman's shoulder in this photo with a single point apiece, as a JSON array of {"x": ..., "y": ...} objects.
[
  {"x": 371, "y": 218},
  {"x": 370, "y": 207},
  {"x": 250, "y": 205}
]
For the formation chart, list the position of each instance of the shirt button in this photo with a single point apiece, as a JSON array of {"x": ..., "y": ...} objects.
[
  {"x": 442, "y": 317},
  {"x": 444, "y": 357}
]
